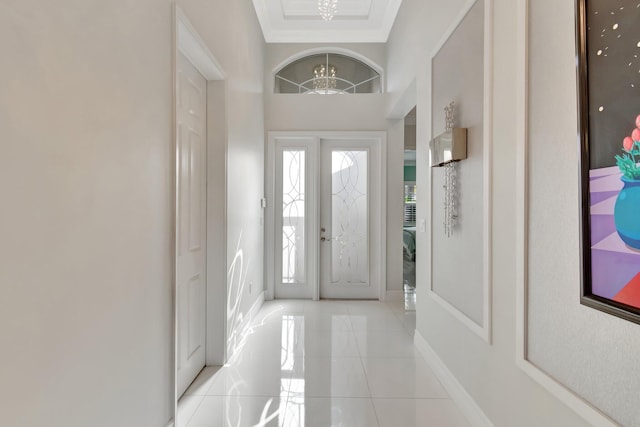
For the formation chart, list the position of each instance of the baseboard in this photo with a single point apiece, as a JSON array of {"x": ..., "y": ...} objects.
[
  {"x": 458, "y": 394},
  {"x": 395, "y": 296}
]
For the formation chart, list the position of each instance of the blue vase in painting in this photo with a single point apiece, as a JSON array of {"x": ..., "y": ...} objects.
[{"x": 627, "y": 213}]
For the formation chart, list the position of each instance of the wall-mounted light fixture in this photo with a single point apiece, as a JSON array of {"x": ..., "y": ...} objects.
[
  {"x": 445, "y": 151},
  {"x": 451, "y": 146}
]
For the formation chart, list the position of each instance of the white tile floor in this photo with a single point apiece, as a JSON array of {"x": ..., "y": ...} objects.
[{"x": 323, "y": 364}]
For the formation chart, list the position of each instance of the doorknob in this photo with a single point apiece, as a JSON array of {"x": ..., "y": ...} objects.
[
  {"x": 323, "y": 239},
  {"x": 323, "y": 229}
]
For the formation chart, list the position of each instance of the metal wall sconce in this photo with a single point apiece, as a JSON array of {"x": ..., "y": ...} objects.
[
  {"x": 445, "y": 151},
  {"x": 449, "y": 147}
]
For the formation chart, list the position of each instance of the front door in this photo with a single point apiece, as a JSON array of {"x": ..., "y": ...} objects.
[
  {"x": 349, "y": 219},
  {"x": 191, "y": 223},
  {"x": 328, "y": 217}
]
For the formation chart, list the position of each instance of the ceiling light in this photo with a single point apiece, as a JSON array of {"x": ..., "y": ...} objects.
[
  {"x": 328, "y": 9},
  {"x": 324, "y": 77}
]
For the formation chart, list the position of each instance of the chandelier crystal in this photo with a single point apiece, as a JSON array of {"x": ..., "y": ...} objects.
[
  {"x": 328, "y": 9},
  {"x": 324, "y": 77}
]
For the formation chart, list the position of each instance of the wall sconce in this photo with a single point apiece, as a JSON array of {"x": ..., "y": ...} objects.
[{"x": 445, "y": 151}]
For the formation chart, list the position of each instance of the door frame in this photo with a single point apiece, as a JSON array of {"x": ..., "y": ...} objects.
[
  {"x": 186, "y": 40},
  {"x": 380, "y": 252}
]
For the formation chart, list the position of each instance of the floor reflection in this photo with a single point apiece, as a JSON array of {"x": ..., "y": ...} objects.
[{"x": 320, "y": 364}]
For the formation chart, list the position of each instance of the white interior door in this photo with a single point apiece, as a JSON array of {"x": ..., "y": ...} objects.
[
  {"x": 190, "y": 223},
  {"x": 350, "y": 219}
]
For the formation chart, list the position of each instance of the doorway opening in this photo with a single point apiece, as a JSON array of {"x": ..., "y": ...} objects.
[
  {"x": 327, "y": 221},
  {"x": 409, "y": 212},
  {"x": 199, "y": 219}
]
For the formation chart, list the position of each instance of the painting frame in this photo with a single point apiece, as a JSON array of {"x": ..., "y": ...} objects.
[{"x": 587, "y": 144}]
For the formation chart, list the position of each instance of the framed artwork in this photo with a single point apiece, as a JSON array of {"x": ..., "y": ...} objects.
[{"x": 608, "y": 50}]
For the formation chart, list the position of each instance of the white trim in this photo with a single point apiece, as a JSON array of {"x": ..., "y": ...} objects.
[
  {"x": 454, "y": 26},
  {"x": 194, "y": 48},
  {"x": 485, "y": 329},
  {"x": 479, "y": 330},
  {"x": 487, "y": 226},
  {"x": 270, "y": 181},
  {"x": 174, "y": 207},
  {"x": 458, "y": 394},
  {"x": 324, "y": 36},
  {"x": 522, "y": 187},
  {"x": 269, "y": 221},
  {"x": 275, "y": 147},
  {"x": 186, "y": 40},
  {"x": 389, "y": 17},
  {"x": 330, "y": 49},
  {"x": 382, "y": 250},
  {"x": 405, "y": 103},
  {"x": 583, "y": 408},
  {"x": 327, "y": 33}
]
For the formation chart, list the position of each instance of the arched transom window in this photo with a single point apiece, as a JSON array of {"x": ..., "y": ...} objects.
[{"x": 327, "y": 74}]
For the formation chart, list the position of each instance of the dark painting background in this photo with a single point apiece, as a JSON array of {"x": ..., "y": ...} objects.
[{"x": 614, "y": 76}]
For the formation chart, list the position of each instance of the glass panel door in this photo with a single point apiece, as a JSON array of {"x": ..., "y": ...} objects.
[
  {"x": 349, "y": 223},
  {"x": 347, "y": 198},
  {"x": 293, "y": 216},
  {"x": 325, "y": 227},
  {"x": 294, "y": 204}
]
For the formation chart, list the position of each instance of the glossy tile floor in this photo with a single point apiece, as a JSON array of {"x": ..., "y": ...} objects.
[{"x": 323, "y": 364}]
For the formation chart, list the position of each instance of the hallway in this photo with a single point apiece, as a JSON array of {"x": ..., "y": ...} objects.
[{"x": 319, "y": 364}]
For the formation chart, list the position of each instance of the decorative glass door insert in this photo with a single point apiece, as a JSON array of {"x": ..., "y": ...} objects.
[
  {"x": 349, "y": 217},
  {"x": 294, "y": 204},
  {"x": 327, "y": 217},
  {"x": 350, "y": 231},
  {"x": 293, "y": 216}
]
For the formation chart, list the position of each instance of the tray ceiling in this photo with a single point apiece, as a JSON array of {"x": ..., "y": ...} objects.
[{"x": 298, "y": 21}]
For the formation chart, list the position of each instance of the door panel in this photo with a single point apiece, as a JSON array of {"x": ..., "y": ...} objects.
[
  {"x": 191, "y": 223},
  {"x": 349, "y": 221},
  {"x": 327, "y": 217},
  {"x": 347, "y": 205},
  {"x": 294, "y": 217}
]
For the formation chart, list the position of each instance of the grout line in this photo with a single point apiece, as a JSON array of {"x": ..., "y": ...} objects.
[
  {"x": 413, "y": 398},
  {"x": 366, "y": 379},
  {"x": 179, "y": 423}
]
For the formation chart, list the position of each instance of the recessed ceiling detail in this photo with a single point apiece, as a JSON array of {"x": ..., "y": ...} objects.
[
  {"x": 299, "y": 21},
  {"x": 296, "y": 9}
]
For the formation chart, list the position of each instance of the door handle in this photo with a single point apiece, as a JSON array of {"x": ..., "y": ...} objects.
[{"x": 323, "y": 239}]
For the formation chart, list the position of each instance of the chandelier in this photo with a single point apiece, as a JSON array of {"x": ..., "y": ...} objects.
[
  {"x": 324, "y": 77},
  {"x": 328, "y": 9}
]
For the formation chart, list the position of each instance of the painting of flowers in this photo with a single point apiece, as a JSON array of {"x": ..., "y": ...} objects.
[{"x": 608, "y": 44}]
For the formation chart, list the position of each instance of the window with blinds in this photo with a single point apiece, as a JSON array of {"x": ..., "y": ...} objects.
[{"x": 410, "y": 204}]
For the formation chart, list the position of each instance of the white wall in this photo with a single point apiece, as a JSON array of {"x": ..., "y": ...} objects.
[
  {"x": 593, "y": 353},
  {"x": 285, "y": 112},
  {"x": 232, "y": 33},
  {"x": 216, "y": 221},
  {"x": 458, "y": 76},
  {"x": 487, "y": 372},
  {"x": 85, "y": 223}
]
